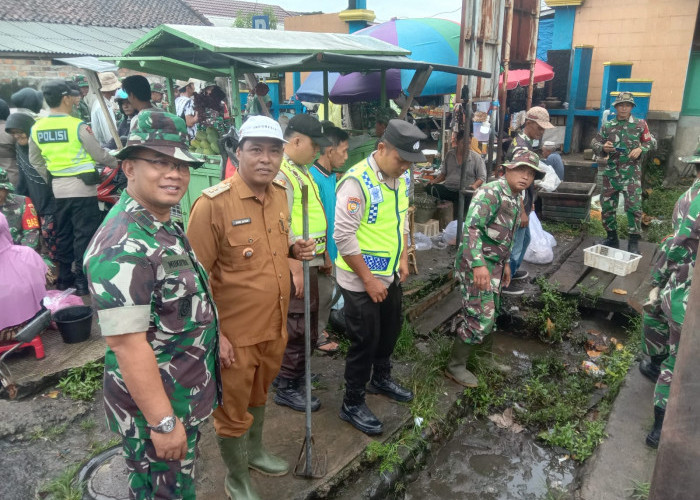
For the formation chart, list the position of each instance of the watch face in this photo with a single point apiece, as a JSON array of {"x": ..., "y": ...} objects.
[{"x": 168, "y": 425}]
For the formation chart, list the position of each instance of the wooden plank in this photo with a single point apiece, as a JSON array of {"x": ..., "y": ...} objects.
[
  {"x": 573, "y": 270},
  {"x": 633, "y": 282}
]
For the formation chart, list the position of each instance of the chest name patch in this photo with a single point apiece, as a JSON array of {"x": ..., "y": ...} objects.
[
  {"x": 239, "y": 222},
  {"x": 174, "y": 263}
]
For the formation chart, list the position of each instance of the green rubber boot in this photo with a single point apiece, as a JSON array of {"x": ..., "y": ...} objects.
[
  {"x": 457, "y": 364},
  {"x": 234, "y": 452},
  {"x": 484, "y": 356},
  {"x": 259, "y": 458}
]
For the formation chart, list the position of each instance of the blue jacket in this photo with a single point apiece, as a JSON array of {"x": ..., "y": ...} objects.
[{"x": 326, "y": 185}]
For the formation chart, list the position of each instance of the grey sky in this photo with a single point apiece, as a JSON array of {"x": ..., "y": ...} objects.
[{"x": 383, "y": 9}]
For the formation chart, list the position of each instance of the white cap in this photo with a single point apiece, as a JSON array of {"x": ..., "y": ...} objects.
[
  {"x": 549, "y": 144},
  {"x": 260, "y": 126}
]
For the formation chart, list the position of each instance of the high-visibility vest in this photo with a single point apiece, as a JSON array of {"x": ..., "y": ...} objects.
[
  {"x": 57, "y": 138},
  {"x": 381, "y": 231},
  {"x": 318, "y": 226}
]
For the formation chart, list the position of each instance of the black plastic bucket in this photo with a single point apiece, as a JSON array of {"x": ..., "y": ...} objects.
[{"x": 74, "y": 323}]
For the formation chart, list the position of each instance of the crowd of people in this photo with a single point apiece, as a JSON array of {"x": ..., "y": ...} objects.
[{"x": 207, "y": 321}]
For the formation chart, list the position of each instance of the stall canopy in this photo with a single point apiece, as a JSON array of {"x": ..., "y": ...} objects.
[
  {"x": 543, "y": 73},
  {"x": 204, "y": 52}
]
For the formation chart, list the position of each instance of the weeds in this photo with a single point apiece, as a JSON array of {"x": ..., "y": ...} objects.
[
  {"x": 97, "y": 447},
  {"x": 556, "y": 316},
  {"x": 82, "y": 382},
  {"x": 386, "y": 453},
  {"x": 564, "y": 229},
  {"x": 405, "y": 345},
  {"x": 88, "y": 425},
  {"x": 48, "y": 434},
  {"x": 639, "y": 490},
  {"x": 580, "y": 441},
  {"x": 64, "y": 487}
]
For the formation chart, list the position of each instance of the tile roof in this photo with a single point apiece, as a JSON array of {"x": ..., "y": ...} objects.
[
  {"x": 231, "y": 8},
  {"x": 66, "y": 39},
  {"x": 112, "y": 13}
]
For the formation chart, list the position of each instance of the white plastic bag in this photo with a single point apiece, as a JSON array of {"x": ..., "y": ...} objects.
[
  {"x": 449, "y": 235},
  {"x": 539, "y": 251},
  {"x": 423, "y": 242},
  {"x": 551, "y": 180}
]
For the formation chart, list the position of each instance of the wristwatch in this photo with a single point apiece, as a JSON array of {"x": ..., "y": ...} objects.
[{"x": 165, "y": 426}]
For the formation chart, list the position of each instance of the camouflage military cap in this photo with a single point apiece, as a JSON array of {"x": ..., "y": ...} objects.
[
  {"x": 163, "y": 132},
  {"x": 695, "y": 157},
  {"x": 80, "y": 81},
  {"x": 5, "y": 181},
  {"x": 624, "y": 97},
  {"x": 524, "y": 156},
  {"x": 158, "y": 87}
]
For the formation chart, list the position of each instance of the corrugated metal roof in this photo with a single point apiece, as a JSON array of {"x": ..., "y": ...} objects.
[{"x": 45, "y": 38}]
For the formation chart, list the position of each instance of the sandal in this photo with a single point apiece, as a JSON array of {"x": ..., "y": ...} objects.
[{"x": 325, "y": 344}]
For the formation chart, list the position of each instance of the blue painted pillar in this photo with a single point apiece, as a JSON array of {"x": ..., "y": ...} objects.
[
  {"x": 563, "y": 32},
  {"x": 298, "y": 106}
]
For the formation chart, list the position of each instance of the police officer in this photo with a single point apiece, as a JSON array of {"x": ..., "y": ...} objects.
[
  {"x": 668, "y": 301},
  {"x": 370, "y": 232},
  {"x": 623, "y": 140},
  {"x": 483, "y": 262},
  {"x": 156, "y": 314},
  {"x": 304, "y": 136},
  {"x": 239, "y": 229},
  {"x": 64, "y": 151}
]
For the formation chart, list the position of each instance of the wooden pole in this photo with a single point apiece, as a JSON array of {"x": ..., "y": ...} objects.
[
  {"x": 252, "y": 81},
  {"x": 504, "y": 88},
  {"x": 169, "y": 90},
  {"x": 533, "y": 52},
  {"x": 236, "y": 110},
  {"x": 416, "y": 86},
  {"x": 676, "y": 471},
  {"x": 326, "y": 100},
  {"x": 495, "y": 72},
  {"x": 95, "y": 86}
]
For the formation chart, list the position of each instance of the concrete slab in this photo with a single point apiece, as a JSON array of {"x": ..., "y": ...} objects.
[{"x": 623, "y": 457}]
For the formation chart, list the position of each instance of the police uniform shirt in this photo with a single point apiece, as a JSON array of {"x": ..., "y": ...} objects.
[{"x": 349, "y": 210}]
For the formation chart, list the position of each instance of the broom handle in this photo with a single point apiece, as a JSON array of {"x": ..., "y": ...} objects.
[{"x": 307, "y": 328}]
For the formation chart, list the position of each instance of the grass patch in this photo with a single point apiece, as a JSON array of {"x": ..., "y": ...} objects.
[
  {"x": 639, "y": 490},
  {"x": 88, "y": 425},
  {"x": 81, "y": 383},
  {"x": 564, "y": 229},
  {"x": 65, "y": 486},
  {"x": 555, "y": 316},
  {"x": 49, "y": 434},
  {"x": 97, "y": 447},
  {"x": 661, "y": 201}
]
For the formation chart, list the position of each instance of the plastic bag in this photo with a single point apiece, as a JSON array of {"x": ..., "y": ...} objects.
[
  {"x": 539, "y": 251},
  {"x": 422, "y": 242},
  {"x": 551, "y": 180},
  {"x": 56, "y": 300},
  {"x": 449, "y": 235}
]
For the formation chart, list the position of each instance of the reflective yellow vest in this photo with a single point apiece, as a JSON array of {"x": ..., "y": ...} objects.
[
  {"x": 57, "y": 138},
  {"x": 381, "y": 231},
  {"x": 318, "y": 226}
]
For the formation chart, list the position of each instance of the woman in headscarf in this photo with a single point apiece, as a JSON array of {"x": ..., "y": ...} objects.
[
  {"x": 23, "y": 278},
  {"x": 31, "y": 184}
]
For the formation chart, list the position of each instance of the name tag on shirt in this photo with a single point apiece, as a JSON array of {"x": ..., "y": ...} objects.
[
  {"x": 240, "y": 222},
  {"x": 173, "y": 263}
]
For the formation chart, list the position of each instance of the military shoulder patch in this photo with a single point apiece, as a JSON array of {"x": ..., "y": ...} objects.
[
  {"x": 280, "y": 183},
  {"x": 216, "y": 190}
]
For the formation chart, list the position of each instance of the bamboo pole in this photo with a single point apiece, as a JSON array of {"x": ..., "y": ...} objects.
[
  {"x": 533, "y": 51},
  {"x": 504, "y": 88}
]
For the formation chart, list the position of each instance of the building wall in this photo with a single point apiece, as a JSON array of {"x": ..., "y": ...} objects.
[
  {"x": 314, "y": 23},
  {"x": 655, "y": 35}
]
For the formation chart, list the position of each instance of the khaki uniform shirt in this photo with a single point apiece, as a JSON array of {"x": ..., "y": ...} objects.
[{"x": 243, "y": 244}]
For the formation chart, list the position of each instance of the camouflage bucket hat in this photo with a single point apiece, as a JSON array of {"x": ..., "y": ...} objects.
[
  {"x": 523, "y": 156},
  {"x": 158, "y": 87},
  {"x": 163, "y": 132},
  {"x": 695, "y": 157},
  {"x": 624, "y": 97},
  {"x": 5, "y": 181},
  {"x": 80, "y": 81}
]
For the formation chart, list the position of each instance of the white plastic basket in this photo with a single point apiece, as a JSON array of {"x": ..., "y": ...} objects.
[{"x": 611, "y": 260}]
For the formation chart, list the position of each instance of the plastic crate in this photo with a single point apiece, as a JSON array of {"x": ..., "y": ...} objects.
[
  {"x": 430, "y": 228},
  {"x": 611, "y": 260}
]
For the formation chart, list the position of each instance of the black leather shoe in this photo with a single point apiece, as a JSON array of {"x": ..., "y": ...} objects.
[
  {"x": 389, "y": 388},
  {"x": 315, "y": 377},
  {"x": 289, "y": 394},
  {"x": 655, "y": 435},
  {"x": 651, "y": 368},
  {"x": 81, "y": 288},
  {"x": 361, "y": 418},
  {"x": 65, "y": 284}
]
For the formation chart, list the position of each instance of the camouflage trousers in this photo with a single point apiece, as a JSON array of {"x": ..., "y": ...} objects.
[
  {"x": 655, "y": 330},
  {"x": 478, "y": 315},
  {"x": 631, "y": 190},
  {"x": 663, "y": 383},
  {"x": 151, "y": 478}
]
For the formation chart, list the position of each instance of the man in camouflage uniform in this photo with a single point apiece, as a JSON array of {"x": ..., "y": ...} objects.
[
  {"x": 158, "y": 96},
  {"x": 623, "y": 140},
  {"x": 82, "y": 110},
  {"x": 156, "y": 313},
  {"x": 668, "y": 301},
  {"x": 482, "y": 264},
  {"x": 20, "y": 214}
]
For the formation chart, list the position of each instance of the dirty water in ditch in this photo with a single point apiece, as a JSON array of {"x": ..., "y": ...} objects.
[{"x": 481, "y": 461}]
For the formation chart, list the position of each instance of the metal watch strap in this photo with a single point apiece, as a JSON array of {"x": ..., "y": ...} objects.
[{"x": 163, "y": 424}]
